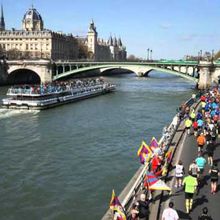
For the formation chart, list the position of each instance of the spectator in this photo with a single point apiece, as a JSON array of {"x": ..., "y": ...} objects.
[
  {"x": 134, "y": 212},
  {"x": 143, "y": 208}
]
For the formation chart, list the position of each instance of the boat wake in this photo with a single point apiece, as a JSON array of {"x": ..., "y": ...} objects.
[{"x": 7, "y": 113}]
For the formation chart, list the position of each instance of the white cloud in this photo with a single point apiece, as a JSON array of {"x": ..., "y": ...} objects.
[{"x": 188, "y": 37}]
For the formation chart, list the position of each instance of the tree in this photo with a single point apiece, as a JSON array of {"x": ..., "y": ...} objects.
[
  {"x": 83, "y": 51},
  {"x": 217, "y": 55},
  {"x": 13, "y": 54},
  {"x": 131, "y": 57}
]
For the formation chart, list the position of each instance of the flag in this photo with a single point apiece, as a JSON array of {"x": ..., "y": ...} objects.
[
  {"x": 151, "y": 182},
  {"x": 144, "y": 152},
  {"x": 117, "y": 208},
  {"x": 169, "y": 154},
  {"x": 154, "y": 144}
]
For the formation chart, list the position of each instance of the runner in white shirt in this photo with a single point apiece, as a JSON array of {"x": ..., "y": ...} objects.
[{"x": 170, "y": 213}]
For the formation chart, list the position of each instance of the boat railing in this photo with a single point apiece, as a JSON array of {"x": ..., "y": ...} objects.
[{"x": 19, "y": 91}]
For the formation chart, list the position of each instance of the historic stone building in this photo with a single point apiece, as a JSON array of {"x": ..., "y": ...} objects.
[
  {"x": 34, "y": 42},
  {"x": 100, "y": 50}
]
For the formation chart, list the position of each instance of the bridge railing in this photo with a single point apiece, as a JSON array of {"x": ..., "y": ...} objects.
[{"x": 135, "y": 185}]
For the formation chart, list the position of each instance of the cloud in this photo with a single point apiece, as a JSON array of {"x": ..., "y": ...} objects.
[
  {"x": 188, "y": 37},
  {"x": 165, "y": 26}
]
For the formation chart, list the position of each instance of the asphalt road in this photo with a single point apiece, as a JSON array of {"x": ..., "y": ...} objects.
[{"x": 187, "y": 151}]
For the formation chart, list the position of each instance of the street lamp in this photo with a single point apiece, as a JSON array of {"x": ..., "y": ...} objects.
[
  {"x": 212, "y": 56},
  {"x": 200, "y": 54},
  {"x": 151, "y": 51},
  {"x": 148, "y": 49}
]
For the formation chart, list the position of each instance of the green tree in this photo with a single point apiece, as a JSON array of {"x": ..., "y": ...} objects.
[
  {"x": 13, "y": 54},
  {"x": 217, "y": 55}
]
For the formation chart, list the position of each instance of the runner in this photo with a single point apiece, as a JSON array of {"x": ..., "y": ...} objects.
[
  {"x": 210, "y": 151},
  {"x": 194, "y": 169},
  {"x": 201, "y": 162},
  {"x": 208, "y": 136},
  {"x": 205, "y": 215},
  {"x": 179, "y": 172},
  {"x": 201, "y": 142},
  {"x": 188, "y": 124},
  {"x": 170, "y": 213},
  {"x": 214, "y": 173},
  {"x": 190, "y": 185},
  {"x": 192, "y": 115},
  {"x": 195, "y": 128},
  {"x": 213, "y": 134}
]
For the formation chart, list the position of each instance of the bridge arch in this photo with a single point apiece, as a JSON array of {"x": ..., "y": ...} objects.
[
  {"x": 138, "y": 70},
  {"x": 112, "y": 69},
  {"x": 23, "y": 76}
]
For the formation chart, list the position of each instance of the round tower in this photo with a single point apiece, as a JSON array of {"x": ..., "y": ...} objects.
[
  {"x": 32, "y": 21},
  {"x": 92, "y": 40}
]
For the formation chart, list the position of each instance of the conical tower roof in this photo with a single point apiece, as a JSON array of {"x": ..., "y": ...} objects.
[
  {"x": 119, "y": 42},
  {"x": 2, "y": 22}
]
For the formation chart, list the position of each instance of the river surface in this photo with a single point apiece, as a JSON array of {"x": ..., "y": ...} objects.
[{"x": 63, "y": 163}]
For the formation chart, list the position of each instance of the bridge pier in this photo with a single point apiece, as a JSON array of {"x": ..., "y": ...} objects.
[{"x": 205, "y": 75}]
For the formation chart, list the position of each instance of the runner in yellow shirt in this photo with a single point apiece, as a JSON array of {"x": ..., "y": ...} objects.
[
  {"x": 190, "y": 184},
  {"x": 192, "y": 115},
  {"x": 188, "y": 124}
]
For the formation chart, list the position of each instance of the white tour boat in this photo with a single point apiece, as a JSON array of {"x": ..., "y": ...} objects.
[{"x": 38, "y": 97}]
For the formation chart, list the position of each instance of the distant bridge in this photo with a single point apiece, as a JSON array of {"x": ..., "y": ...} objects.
[
  {"x": 203, "y": 73},
  {"x": 139, "y": 68}
]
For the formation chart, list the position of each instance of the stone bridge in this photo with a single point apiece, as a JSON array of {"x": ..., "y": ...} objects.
[{"x": 204, "y": 74}]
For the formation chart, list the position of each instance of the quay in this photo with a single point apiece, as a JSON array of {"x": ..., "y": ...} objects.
[{"x": 185, "y": 149}]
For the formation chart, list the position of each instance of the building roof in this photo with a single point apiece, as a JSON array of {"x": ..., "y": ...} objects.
[{"x": 33, "y": 14}]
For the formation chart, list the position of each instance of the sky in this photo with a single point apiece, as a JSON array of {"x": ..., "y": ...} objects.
[{"x": 170, "y": 28}]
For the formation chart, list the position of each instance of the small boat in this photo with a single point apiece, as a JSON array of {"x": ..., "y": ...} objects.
[{"x": 44, "y": 96}]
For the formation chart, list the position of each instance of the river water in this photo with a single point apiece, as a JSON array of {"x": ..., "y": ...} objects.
[{"x": 63, "y": 163}]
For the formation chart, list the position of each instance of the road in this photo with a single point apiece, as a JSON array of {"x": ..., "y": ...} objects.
[{"x": 187, "y": 151}]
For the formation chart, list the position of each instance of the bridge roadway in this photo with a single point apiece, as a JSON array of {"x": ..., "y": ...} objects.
[{"x": 187, "y": 151}]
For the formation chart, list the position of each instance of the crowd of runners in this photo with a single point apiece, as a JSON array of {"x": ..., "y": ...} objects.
[{"x": 204, "y": 123}]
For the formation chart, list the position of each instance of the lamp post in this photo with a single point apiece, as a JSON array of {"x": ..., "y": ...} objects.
[
  {"x": 148, "y": 49},
  {"x": 200, "y": 54},
  {"x": 212, "y": 56},
  {"x": 151, "y": 51}
]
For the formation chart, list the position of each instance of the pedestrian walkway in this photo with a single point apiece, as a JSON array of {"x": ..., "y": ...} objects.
[{"x": 187, "y": 152}]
